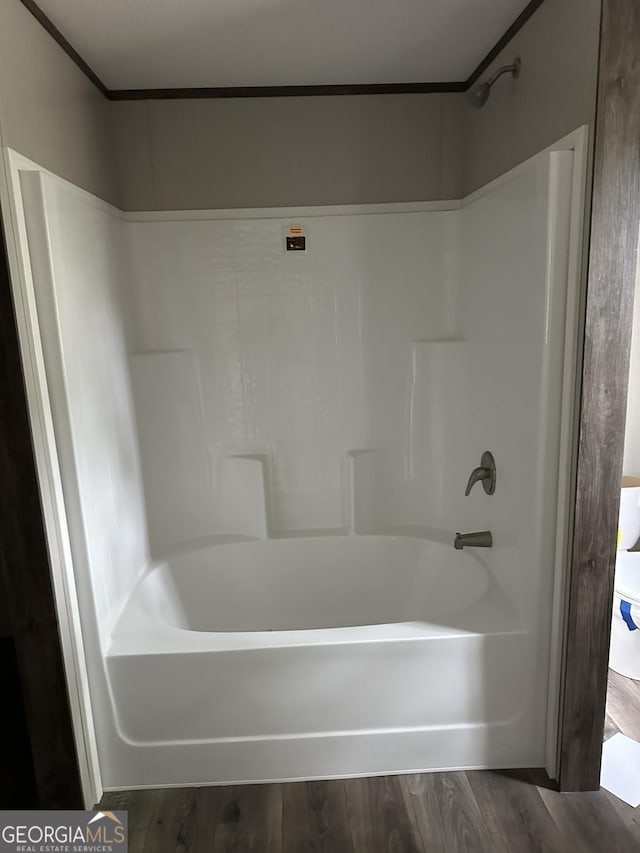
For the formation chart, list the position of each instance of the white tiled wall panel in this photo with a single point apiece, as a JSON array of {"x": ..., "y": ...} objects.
[
  {"x": 80, "y": 278},
  {"x": 300, "y": 357}
]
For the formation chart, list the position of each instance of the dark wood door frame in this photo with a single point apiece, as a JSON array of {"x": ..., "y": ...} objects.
[
  {"x": 26, "y": 575},
  {"x": 608, "y": 315}
]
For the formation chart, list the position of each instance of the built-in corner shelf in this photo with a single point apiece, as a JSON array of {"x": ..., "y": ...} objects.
[
  {"x": 242, "y": 497},
  {"x": 365, "y": 472}
]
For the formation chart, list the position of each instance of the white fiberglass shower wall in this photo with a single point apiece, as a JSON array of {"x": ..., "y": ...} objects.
[
  {"x": 306, "y": 425},
  {"x": 301, "y": 361}
]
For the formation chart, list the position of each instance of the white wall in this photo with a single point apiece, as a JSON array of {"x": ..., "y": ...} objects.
[
  {"x": 418, "y": 335},
  {"x": 150, "y": 155},
  {"x": 49, "y": 110},
  {"x": 520, "y": 257},
  {"x": 555, "y": 93},
  {"x": 295, "y": 357},
  {"x": 77, "y": 255},
  {"x": 514, "y": 291},
  {"x": 268, "y": 152},
  {"x": 263, "y": 152}
]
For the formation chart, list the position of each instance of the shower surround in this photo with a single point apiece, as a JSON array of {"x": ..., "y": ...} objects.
[
  {"x": 299, "y": 360},
  {"x": 263, "y": 456}
]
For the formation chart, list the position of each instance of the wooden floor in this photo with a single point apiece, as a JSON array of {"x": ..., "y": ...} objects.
[
  {"x": 623, "y": 707},
  {"x": 464, "y": 812}
]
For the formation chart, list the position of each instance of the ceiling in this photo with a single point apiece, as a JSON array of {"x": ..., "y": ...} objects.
[{"x": 157, "y": 44}]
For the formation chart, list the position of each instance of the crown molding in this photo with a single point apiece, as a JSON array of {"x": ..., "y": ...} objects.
[{"x": 280, "y": 91}]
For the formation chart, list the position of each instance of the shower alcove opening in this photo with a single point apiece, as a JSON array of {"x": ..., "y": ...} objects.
[{"x": 253, "y": 465}]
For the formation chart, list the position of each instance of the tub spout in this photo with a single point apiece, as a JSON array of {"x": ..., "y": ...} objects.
[{"x": 481, "y": 539}]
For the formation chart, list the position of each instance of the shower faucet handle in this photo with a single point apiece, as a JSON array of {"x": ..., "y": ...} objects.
[
  {"x": 485, "y": 474},
  {"x": 478, "y": 475}
]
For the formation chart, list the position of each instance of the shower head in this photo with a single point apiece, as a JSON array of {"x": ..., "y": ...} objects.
[{"x": 478, "y": 95}]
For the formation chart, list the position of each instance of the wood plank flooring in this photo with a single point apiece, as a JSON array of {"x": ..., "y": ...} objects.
[
  {"x": 463, "y": 812},
  {"x": 623, "y": 706}
]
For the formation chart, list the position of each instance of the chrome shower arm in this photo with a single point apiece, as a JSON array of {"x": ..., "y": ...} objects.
[{"x": 513, "y": 69}]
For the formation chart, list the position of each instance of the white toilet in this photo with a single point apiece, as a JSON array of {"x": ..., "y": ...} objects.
[{"x": 624, "y": 655}]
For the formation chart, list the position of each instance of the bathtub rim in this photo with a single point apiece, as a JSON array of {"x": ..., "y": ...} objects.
[{"x": 140, "y": 632}]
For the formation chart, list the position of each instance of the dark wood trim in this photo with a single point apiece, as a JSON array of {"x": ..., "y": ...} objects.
[
  {"x": 26, "y": 578},
  {"x": 71, "y": 52},
  {"x": 500, "y": 45},
  {"x": 607, "y": 340},
  {"x": 279, "y": 91},
  {"x": 284, "y": 91}
]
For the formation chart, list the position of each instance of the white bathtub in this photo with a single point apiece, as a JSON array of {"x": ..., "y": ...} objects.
[{"x": 318, "y": 657}]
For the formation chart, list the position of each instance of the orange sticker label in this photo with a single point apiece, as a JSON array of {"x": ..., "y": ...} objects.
[{"x": 296, "y": 230}]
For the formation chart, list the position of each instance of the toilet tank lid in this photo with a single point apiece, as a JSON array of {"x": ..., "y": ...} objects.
[{"x": 627, "y": 583}]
